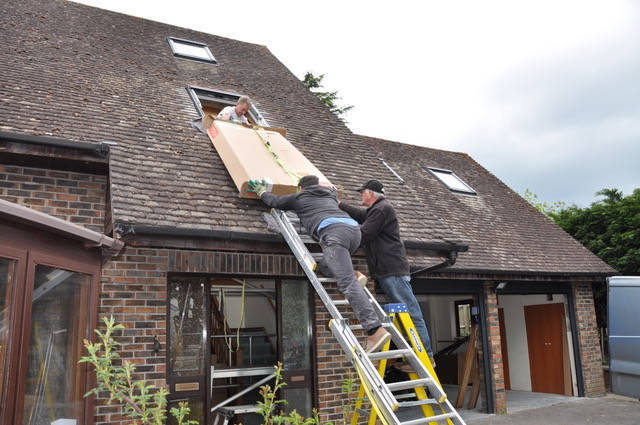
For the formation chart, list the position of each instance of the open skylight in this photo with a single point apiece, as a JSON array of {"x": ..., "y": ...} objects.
[
  {"x": 453, "y": 182},
  {"x": 190, "y": 50}
]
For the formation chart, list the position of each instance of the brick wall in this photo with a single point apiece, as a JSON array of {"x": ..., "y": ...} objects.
[
  {"x": 589, "y": 341},
  {"x": 495, "y": 355},
  {"x": 333, "y": 368},
  {"x": 134, "y": 291},
  {"x": 75, "y": 197}
]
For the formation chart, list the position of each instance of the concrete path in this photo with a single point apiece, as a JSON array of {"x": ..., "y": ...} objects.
[{"x": 609, "y": 410}]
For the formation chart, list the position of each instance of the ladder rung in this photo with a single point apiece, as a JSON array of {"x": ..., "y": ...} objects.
[
  {"x": 326, "y": 279},
  {"x": 391, "y": 354},
  {"x": 406, "y": 385},
  {"x": 359, "y": 327},
  {"x": 403, "y": 396},
  {"x": 417, "y": 402},
  {"x": 422, "y": 421},
  {"x": 340, "y": 302}
]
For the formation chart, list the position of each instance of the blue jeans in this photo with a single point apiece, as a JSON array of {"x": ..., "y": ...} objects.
[{"x": 398, "y": 290}]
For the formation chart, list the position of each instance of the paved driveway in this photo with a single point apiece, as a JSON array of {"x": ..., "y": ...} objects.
[{"x": 609, "y": 410}]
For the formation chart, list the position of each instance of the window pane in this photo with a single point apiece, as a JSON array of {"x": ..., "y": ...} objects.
[
  {"x": 196, "y": 413},
  {"x": 453, "y": 182},
  {"x": 59, "y": 314},
  {"x": 191, "y": 50},
  {"x": 7, "y": 273},
  {"x": 464, "y": 318},
  {"x": 298, "y": 399},
  {"x": 296, "y": 329},
  {"x": 187, "y": 328}
]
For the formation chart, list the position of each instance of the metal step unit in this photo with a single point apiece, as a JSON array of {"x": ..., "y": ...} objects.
[{"x": 380, "y": 394}]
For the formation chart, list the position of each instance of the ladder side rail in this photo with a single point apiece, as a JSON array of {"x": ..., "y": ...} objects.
[
  {"x": 412, "y": 358},
  {"x": 299, "y": 250},
  {"x": 384, "y": 399},
  {"x": 288, "y": 230}
]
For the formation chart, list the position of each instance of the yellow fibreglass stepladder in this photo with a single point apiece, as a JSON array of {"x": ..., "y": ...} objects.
[
  {"x": 402, "y": 321},
  {"x": 380, "y": 394}
]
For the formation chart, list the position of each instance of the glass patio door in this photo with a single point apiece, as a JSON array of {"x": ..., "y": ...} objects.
[
  {"x": 7, "y": 279},
  {"x": 53, "y": 381},
  {"x": 296, "y": 343},
  {"x": 46, "y": 305}
]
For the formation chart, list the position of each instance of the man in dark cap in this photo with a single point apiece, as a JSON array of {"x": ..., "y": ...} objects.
[
  {"x": 339, "y": 237},
  {"x": 386, "y": 255}
]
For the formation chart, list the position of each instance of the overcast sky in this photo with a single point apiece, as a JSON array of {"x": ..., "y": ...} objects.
[{"x": 544, "y": 94}]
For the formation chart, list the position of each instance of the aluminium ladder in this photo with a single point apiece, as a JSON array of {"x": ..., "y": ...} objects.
[
  {"x": 402, "y": 321},
  {"x": 379, "y": 393}
]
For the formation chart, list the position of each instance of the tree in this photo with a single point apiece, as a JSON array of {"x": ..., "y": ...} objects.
[
  {"x": 543, "y": 207},
  {"x": 610, "y": 228},
  {"x": 314, "y": 84}
]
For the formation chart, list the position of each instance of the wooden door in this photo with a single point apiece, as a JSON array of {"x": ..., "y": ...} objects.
[
  {"x": 505, "y": 351},
  {"x": 546, "y": 354}
]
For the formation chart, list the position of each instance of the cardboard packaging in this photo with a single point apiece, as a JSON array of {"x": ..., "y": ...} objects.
[{"x": 262, "y": 154}]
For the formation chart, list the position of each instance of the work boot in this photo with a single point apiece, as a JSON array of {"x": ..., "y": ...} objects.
[
  {"x": 362, "y": 279},
  {"x": 376, "y": 341}
]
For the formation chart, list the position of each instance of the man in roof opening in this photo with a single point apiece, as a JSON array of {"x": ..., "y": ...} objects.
[
  {"x": 339, "y": 237},
  {"x": 238, "y": 112},
  {"x": 386, "y": 255}
]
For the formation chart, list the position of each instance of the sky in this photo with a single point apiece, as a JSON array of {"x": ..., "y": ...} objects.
[{"x": 544, "y": 94}]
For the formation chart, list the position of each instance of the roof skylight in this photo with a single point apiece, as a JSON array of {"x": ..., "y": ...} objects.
[
  {"x": 453, "y": 182},
  {"x": 190, "y": 50}
]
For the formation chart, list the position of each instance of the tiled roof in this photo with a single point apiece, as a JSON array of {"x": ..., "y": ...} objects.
[
  {"x": 504, "y": 232},
  {"x": 86, "y": 74}
]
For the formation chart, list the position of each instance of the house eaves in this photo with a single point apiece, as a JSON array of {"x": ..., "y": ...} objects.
[{"x": 91, "y": 239}]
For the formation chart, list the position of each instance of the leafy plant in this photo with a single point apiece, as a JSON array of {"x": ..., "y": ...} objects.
[
  {"x": 273, "y": 415},
  {"x": 143, "y": 402}
]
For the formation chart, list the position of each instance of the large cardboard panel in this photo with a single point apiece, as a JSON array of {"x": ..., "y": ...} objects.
[{"x": 246, "y": 155}]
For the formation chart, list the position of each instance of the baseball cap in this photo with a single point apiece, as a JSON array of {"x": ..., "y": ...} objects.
[{"x": 374, "y": 185}]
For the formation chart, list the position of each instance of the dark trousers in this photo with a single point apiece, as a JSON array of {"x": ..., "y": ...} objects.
[{"x": 338, "y": 241}]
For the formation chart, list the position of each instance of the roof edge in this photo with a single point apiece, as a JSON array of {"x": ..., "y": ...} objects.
[
  {"x": 530, "y": 272},
  {"x": 92, "y": 239},
  {"x": 125, "y": 229},
  {"x": 99, "y": 149}
]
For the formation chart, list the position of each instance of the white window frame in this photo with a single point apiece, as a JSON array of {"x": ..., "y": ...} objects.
[
  {"x": 174, "y": 42},
  {"x": 437, "y": 172}
]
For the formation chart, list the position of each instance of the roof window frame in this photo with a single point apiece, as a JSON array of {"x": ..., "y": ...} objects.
[
  {"x": 227, "y": 98},
  {"x": 435, "y": 170},
  {"x": 174, "y": 40}
]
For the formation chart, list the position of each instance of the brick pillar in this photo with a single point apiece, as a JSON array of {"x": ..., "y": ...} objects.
[
  {"x": 588, "y": 340},
  {"x": 134, "y": 292},
  {"x": 496, "y": 373}
]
